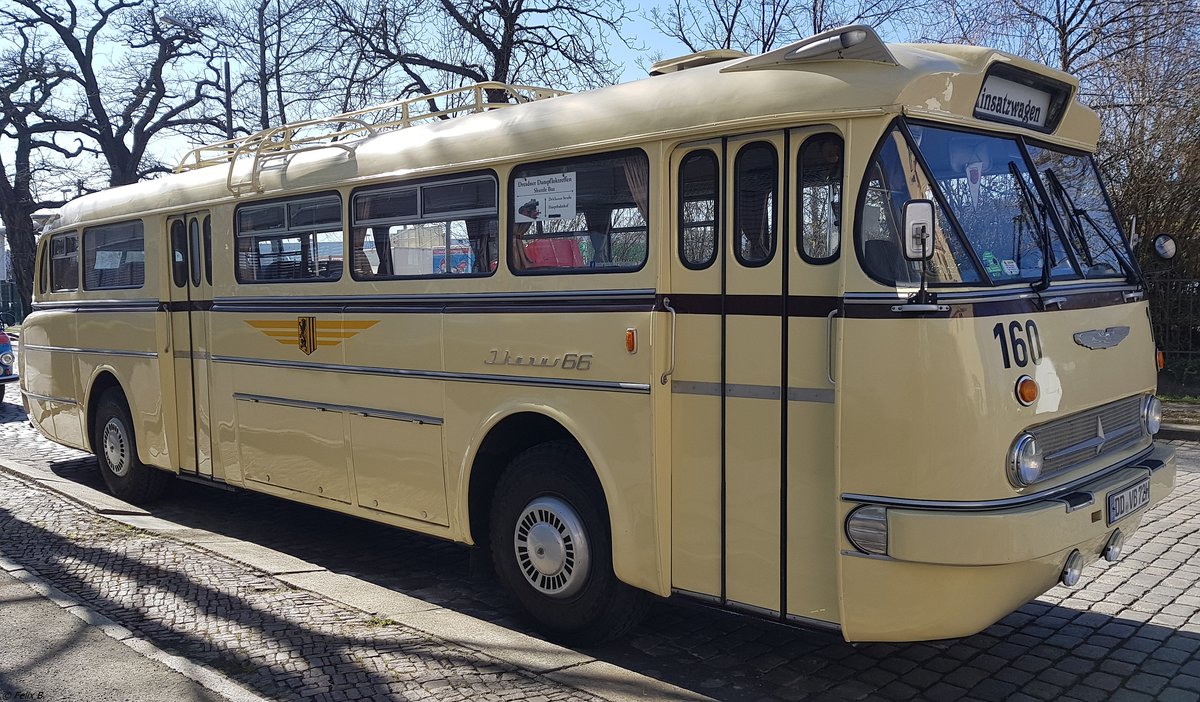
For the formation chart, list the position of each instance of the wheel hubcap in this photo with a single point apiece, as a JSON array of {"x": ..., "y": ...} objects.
[
  {"x": 116, "y": 447},
  {"x": 551, "y": 547}
]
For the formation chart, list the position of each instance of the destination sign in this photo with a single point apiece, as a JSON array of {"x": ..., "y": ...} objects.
[{"x": 1003, "y": 100}]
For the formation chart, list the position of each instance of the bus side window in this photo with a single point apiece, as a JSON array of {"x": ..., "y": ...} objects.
[
  {"x": 443, "y": 228},
  {"x": 179, "y": 264},
  {"x": 114, "y": 256},
  {"x": 580, "y": 215},
  {"x": 44, "y": 268},
  {"x": 756, "y": 186},
  {"x": 64, "y": 262},
  {"x": 296, "y": 240},
  {"x": 820, "y": 179},
  {"x": 698, "y": 209}
]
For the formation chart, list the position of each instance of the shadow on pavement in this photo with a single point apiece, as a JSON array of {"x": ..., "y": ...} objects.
[{"x": 1042, "y": 648}]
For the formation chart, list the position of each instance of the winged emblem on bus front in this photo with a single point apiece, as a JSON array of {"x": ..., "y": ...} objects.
[
  {"x": 1101, "y": 338},
  {"x": 310, "y": 333}
]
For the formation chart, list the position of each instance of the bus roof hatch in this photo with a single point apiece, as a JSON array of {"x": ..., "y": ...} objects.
[{"x": 853, "y": 43}]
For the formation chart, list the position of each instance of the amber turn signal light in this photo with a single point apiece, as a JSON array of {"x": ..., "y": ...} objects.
[
  {"x": 1160, "y": 358},
  {"x": 631, "y": 340},
  {"x": 1027, "y": 390}
]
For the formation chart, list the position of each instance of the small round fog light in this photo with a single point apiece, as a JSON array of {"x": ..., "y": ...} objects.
[
  {"x": 1027, "y": 390},
  {"x": 1073, "y": 569},
  {"x": 1112, "y": 549}
]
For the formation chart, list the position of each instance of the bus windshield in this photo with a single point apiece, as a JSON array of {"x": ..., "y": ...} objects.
[{"x": 996, "y": 224}]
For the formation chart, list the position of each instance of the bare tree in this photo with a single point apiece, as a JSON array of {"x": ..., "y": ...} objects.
[
  {"x": 757, "y": 27},
  {"x": 28, "y": 78},
  {"x": 119, "y": 88},
  {"x": 420, "y": 47}
]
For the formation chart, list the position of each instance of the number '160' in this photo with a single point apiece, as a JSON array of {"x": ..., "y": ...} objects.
[{"x": 1019, "y": 345}]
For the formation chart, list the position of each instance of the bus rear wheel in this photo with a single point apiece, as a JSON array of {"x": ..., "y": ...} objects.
[
  {"x": 552, "y": 550},
  {"x": 115, "y": 447}
]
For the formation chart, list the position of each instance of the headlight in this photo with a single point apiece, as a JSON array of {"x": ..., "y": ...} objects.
[
  {"x": 1152, "y": 415},
  {"x": 867, "y": 529},
  {"x": 6, "y": 359},
  {"x": 1025, "y": 461}
]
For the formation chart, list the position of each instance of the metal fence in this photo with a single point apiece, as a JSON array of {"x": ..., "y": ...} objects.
[
  {"x": 11, "y": 309},
  {"x": 1175, "y": 310}
]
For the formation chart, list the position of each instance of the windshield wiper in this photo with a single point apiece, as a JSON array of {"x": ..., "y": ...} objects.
[
  {"x": 1039, "y": 226},
  {"x": 1076, "y": 215}
]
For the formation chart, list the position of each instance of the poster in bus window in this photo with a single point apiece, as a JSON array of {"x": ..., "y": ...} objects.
[{"x": 544, "y": 197}]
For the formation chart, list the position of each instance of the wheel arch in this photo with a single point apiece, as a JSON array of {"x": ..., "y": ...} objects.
[
  {"x": 500, "y": 439},
  {"x": 103, "y": 380}
]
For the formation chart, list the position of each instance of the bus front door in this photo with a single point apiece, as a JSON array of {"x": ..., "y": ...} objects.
[
  {"x": 726, "y": 393},
  {"x": 191, "y": 297}
]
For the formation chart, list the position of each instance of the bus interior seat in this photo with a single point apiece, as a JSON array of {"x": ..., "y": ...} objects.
[{"x": 882, "y": 257}]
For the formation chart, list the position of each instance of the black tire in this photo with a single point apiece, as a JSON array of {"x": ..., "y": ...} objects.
[
  {"x": 580, "y": 600},
  {"x": 2, "y": 389},
  {"x": 127, "y": 477}
]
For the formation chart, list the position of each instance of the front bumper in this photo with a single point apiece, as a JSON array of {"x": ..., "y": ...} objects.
[
  {"x": 12, "y": 378},
  {"x": 953, "y": 572}
]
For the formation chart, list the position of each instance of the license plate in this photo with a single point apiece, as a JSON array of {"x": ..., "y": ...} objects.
[{"x": 1126, "y": 501}]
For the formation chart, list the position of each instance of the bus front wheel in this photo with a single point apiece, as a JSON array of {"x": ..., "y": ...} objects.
[
  {"x": 125, "y": 475},
  {"x": 551, "y": 547}
]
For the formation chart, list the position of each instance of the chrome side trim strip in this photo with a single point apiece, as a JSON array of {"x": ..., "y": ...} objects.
[
  {"x": 349, "y": 409},
  {"x": 752, "y": 392},
  {"x": 951, "y": 297},
  {"x": 49, "y": 398},
  {"x": 976, "y": 505},
  {"x": 442, "y": 297},
  {"x": 640, "y": 388},
  {"x": 101, "y": 352}
]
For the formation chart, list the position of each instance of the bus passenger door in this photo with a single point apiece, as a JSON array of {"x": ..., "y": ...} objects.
[
  {"x": 190, "y": 299},
  {"x": 755, "y": 312},
  {"x": 727, "y": 287}
]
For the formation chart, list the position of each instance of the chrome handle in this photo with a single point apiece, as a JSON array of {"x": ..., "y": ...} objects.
[
  {"x": 1053, "y": 301},
  {"x": 671, "y": 368},
  {"x": 1134, "y": 295},
  {"x": 829, "y": 356},
  {"x": 915, "y": 308}
]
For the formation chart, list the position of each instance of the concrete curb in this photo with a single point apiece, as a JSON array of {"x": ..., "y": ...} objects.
[
  {"x": 201, "y": 675},
  {"x": 1179, "y": 432},
  {"x": 560, "y": 664}
]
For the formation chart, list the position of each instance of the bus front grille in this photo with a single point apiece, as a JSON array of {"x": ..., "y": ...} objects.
[{"x": 1088, "y": 436}]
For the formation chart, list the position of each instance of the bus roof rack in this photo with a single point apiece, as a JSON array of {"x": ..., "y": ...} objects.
[
  {"x": 856, "y": 42},
  {"x": 343, "y": 131}
]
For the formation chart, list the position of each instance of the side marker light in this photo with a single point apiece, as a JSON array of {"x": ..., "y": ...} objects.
[{"x": 631, "y": 340}]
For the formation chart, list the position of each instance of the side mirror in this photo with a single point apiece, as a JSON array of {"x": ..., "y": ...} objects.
[
  {"x": 918, "y": 230},
  {"x": 1165, "y": 247}
]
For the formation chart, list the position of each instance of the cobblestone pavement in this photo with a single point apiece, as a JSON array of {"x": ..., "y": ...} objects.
[{"x": 1130, "y": 631}]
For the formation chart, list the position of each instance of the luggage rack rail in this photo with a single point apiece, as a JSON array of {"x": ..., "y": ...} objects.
[{"x": 343, "y": 131}]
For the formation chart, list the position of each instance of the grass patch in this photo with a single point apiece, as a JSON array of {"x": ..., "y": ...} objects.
[{"x": 381, "y": 621}]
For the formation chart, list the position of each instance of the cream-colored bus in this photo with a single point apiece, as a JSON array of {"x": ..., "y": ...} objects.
[{"x": 845, "y": 334}]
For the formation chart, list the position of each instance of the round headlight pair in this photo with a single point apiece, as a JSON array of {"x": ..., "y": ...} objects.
[
  {"x": 1025, "y": 461},
  {"x": 1151, "y": 415}
]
